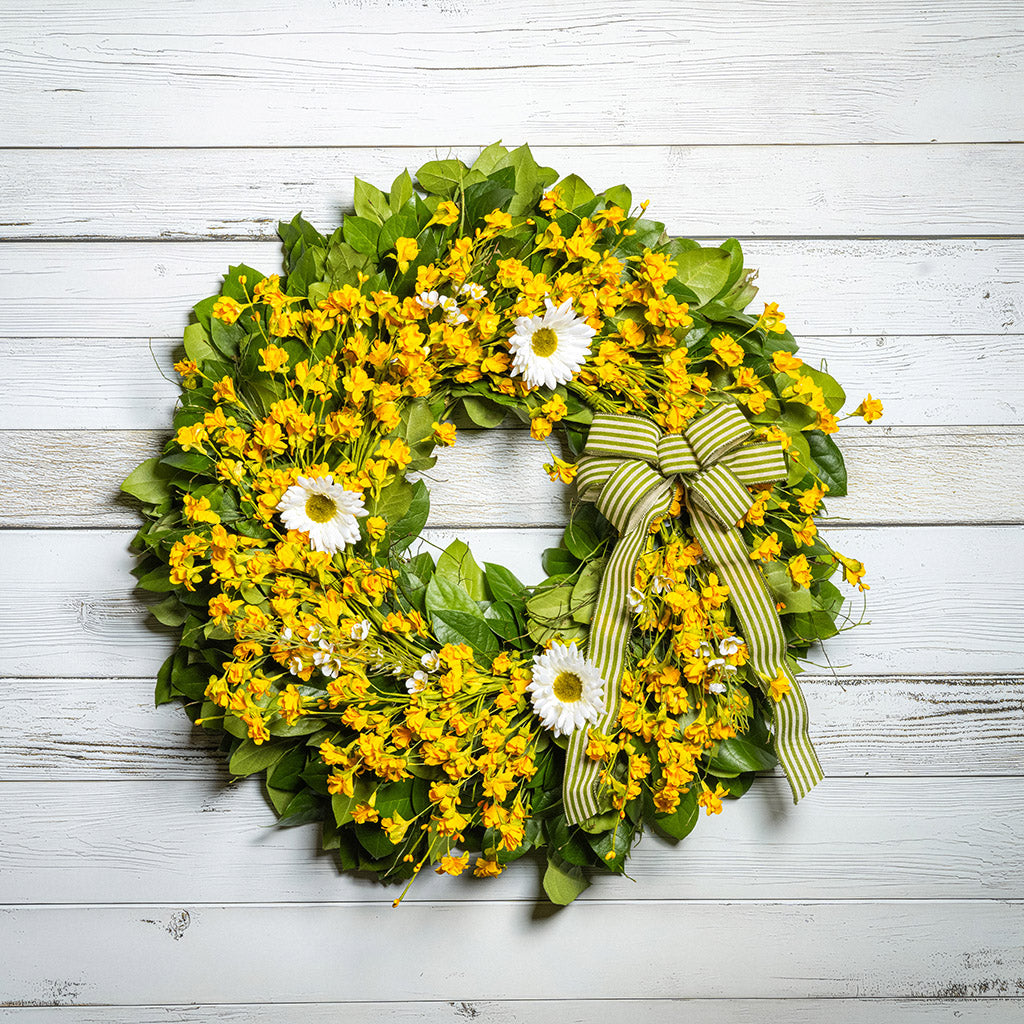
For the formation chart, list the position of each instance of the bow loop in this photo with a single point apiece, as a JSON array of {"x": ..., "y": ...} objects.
[
  {"x": 717, "y": 432},
  {"x": 719, "y": 493}
]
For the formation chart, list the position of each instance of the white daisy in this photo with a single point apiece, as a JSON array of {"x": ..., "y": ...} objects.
[
  {"x": 549, "y": 350},
  {"x": 324, "y": 510},
  {"x": 567, "y": 690}
]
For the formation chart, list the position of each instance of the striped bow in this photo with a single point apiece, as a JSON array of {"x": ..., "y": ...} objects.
[{"x": 630, "y": 469}]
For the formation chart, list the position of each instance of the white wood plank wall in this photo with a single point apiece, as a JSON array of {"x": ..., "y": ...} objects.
[{"x": 868, "y": 155}]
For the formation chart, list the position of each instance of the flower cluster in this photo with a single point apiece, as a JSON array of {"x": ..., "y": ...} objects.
[{"x": 419, "y": 706}]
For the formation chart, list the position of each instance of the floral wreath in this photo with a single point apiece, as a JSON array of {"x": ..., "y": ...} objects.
[{"x": 432, "y": 712}]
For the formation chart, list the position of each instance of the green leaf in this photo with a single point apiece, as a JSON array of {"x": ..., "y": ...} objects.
[
  {"x": 574, "y": 191},
  {"x": 456, "y": 618},
  {"x": 581, "y": 538},
  {"x": 795, "y": 597},
  {"x": 362, "y": 234},
  {"x": 370, "y": 202},
  {"x": 563, "y": 882},
  {"x": 585, "y": 593},
  {"x": 457, "y": 565},
  {"x": 504, "y": 584},
  {"x": 149, "y": 481},
  {"x": 704, "y": 271},
  {"x": 446, "y": 177},
  {"x": 680, "y": 823},
  {"x": 251, "y": 757},
  {"x": 501, "y": 620},
  {"x": 558, "y": 561},
  {"x": 738, "y": 755},
  {"x": 491, "y": 158},
  {"x": 812, "y": 626},
  {"x": 164, "y": 692},
  {"x": 619, "y": 195},
  {"x": 829, "y": 460},
  {"x": 483, "y": 412},
  {"x": 401, "y": 191},
  {"x": 197, "y": 344},
  {"x": 169, "y": 612},
  {"x": 799, "y": 457}
]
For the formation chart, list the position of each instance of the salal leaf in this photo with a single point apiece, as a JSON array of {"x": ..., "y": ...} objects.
[
  {"x": 457, "y": 565},
  {"x": 705, "y": 272},
  {"x": 563, "y": 882}
]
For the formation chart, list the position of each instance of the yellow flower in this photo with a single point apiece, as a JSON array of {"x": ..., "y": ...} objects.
[
  {"x": 779, "y": 687},
  {"x": 870, "y": 409},
  {"x": 487, "y": 868},
  {"x": 396, "y": 826},
  {"x": 728, "y": 351},
  {"x": 453, "y": 865},
  {"x": 375, "y": 527},
  {"x": 772, "y": 319},
  {"x": 363, "y": 813},
  {"x": 224, "y": 390},
  {"x": 446, "y": 213},
  {"x": 560, "y": 470},
  {"x": 853, "y": 571},
  {"x": 711, "y": 801},
  {"x": 767, "y": 548},
  {"x": 191, "y": 438},
  {"x": 784, "y": 362},
  {"x": 444, "y": 433},
  {"x": 406, "y": 250},
  {"x": 274, "y": 359},
  {"x": 800, "y": 570},
  {"x": 227, "y": 310}
]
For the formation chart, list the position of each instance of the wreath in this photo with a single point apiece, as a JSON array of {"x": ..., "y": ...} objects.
[{"x": 432, "y": 712}]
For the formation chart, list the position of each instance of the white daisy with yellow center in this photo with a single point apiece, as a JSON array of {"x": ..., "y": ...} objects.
[
  {"x": 567, "y": 690},
  {"x": 549, "y": 350},
  {"x": 316, "y": 505}
]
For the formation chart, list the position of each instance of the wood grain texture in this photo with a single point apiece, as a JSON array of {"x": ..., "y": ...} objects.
[
  {"x": 54, "y": 1007},
  {"x": 140, "y": 842},
  {"x": 132, "y": 954},
  {"x": 411, "y": 73},
  {"x": 944, "y": 600},
  {"x": 72, "y": 478},
  {"x": 846, "y": 287},
  {"x": 130, "y": 384},
  {"x": 165, "y": 194},
  {"x": 92, "y": 730}
]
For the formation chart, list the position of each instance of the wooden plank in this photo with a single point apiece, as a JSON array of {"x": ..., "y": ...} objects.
[
  {"x": 140, "y": 842},
  {"x": 65, "y": 478},
  {"x": 154, "y": 954},
  {"x": 101, "y": 729},
  {"x": 992, "y": 1010},
  {"x": 944, "y": 600},
  {"x": 842, "y": 287},
  {"x": 768, "y": 190},
  {"x": 349, "y": 75},
  {"x": 130, "y": 384}
]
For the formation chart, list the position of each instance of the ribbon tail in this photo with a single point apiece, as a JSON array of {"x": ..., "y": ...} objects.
[
  {"x": 582, "y": 792},
  {"x": 766, "y": 642}
]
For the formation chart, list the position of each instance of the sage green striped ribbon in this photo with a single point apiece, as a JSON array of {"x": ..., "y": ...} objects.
[{"x": 630, "y": 469}]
